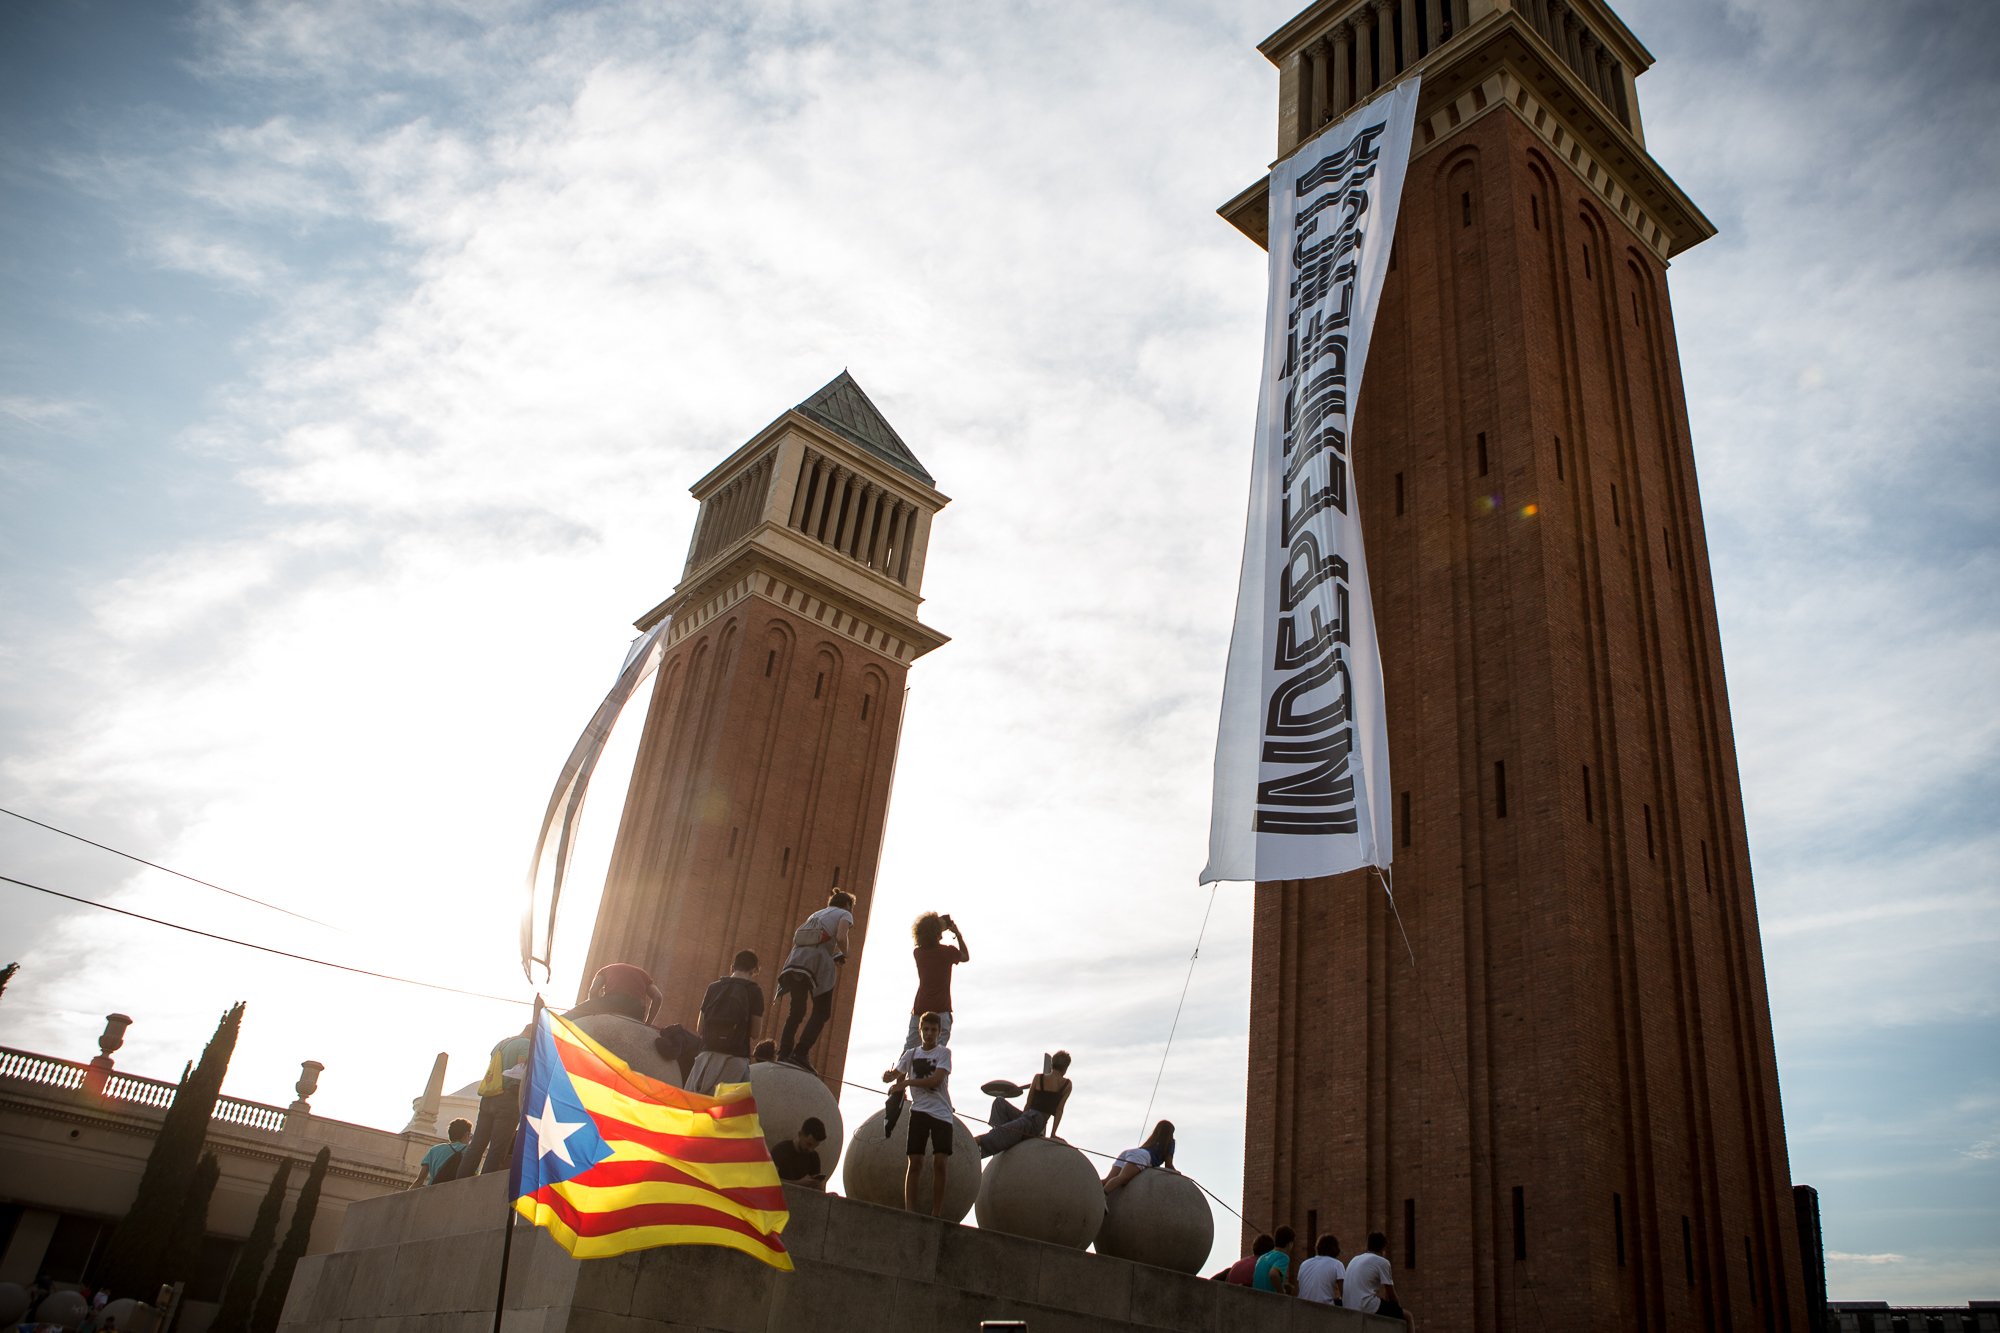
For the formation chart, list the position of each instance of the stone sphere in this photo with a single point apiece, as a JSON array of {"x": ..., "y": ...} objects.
[
  {"x": 874, "y": 1166},
  {"x": 63, "y": 1308},
  {"x": 125, "y": 1310},
  {"x": 13, "y": 1303},
  {"x": 1042, "y": 1190},
  {"x": 786, "y": 1097},
  {"x": 1158, "y": 1218},
  {"x": 631, "y": 1041}
]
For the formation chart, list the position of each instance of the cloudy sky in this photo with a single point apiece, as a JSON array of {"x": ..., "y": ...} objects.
[{"x": 355, "y": 360}]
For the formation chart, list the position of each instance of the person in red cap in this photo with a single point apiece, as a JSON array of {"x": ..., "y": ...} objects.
[{"x": 624, "y": 989}]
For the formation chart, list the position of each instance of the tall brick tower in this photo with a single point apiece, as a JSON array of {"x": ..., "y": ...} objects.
[
  {"x": 762, "y": 777},
  {"x": 1564, "y": 1113}
]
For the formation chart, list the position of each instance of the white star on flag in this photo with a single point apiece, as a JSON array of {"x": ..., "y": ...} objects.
[{"x": 551, "y": 1134}]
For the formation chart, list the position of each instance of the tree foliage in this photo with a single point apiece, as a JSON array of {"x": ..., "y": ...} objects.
[
  {"x": 134, "y": 1261},
  {"x": 271, "y": 1300},
  {"x": 183, "y": 1251},
  {"x": 239, "y": 1294}
]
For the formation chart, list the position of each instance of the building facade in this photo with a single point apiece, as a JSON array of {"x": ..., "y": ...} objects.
[
  {"x": 763, "y": 773},
  {"x": 75, "y": 1136},
  {"x": 1560, "y": 1100}
]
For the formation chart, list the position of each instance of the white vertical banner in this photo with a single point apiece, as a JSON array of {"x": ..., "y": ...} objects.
[{"x": 1302, "y": 752}]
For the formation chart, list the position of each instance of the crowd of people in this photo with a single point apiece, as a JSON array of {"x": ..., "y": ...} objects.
[
  {"x": 1364, "y": 1282},
  {"x": 721, "y": 1048}
]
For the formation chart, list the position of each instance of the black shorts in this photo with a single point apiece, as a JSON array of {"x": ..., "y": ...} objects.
[{"x": 924, "y": 1127}]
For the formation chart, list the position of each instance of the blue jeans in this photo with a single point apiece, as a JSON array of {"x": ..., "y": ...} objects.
[{"x": 1010, "y": 1125}]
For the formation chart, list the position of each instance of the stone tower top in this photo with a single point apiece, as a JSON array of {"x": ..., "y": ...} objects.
[
  {"x": 828, "y": 499},
  {"x": 1567, "y": 67}
]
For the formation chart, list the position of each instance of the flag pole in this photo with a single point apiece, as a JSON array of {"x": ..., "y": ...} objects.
[{"x": 514, "y": 1174}]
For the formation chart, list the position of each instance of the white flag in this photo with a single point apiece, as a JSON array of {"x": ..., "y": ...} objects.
[{"x": 1302, "y": 753}]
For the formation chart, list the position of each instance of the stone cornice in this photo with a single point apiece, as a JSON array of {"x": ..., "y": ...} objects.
[
  {"x": 756, "y": 572},
  {"x": 1503, "y": 62}
]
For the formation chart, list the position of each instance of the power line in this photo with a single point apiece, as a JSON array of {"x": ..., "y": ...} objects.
[
  {"x": 261, "y": 948},
  {"x": 165, "y": 869}
]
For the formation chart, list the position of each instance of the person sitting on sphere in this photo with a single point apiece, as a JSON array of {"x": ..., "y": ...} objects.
[
  {"x": 1156, "y": 1151},
  {"x": 1048, "y": 1092}
]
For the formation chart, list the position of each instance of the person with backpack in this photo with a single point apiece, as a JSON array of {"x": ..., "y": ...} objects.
[
  {"x": 441, "y": 1163},
  {"x": 810, "y": 973},
  {"x": 499, "y": 1105},
  {"x": 729, "y": 1013}
]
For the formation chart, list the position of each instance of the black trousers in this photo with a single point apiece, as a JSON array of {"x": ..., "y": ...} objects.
[{"x": 797, "y": 987}]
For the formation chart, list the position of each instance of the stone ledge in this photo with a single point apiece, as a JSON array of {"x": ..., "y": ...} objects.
[{"x": 426, "y": 1261}]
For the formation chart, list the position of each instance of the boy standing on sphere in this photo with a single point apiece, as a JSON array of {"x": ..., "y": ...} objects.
[{"x": 925, "y": 1071}]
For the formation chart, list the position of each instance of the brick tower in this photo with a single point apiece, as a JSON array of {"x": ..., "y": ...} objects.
[
  {"x": 762, "y": 777},
  {"x": 1565, "y": 1112}
]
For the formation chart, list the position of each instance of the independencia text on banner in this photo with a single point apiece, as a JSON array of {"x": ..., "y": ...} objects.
[{"x": 1302, "y": 752}]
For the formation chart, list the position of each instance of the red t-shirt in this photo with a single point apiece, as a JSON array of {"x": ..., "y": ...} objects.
[
  {"x": 934, "y": 964},
  {"x": 1243, "y": 1270}
]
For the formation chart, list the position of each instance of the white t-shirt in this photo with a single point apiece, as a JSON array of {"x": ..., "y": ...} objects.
[
  {"x": 1317, "y": 1276},
  {"x": 935, "y": 1102},
  {"x": 1367, "y": 1273}
]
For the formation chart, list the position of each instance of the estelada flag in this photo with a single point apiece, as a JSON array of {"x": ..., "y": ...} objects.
[{"x": 609, "y": 1160}]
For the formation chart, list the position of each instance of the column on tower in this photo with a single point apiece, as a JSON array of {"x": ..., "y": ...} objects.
[
  {"x": 1406, "y": 48},
  {"x": 1364, "y": 53},
  {"x": 1385, "y": 42},
  {"x": 1433, "y": 24},
  {"x": 1343, "y": 56}
]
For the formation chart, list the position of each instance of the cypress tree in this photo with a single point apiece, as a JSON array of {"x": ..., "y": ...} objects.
[
  {"x": 183, "y": 1252},
  {"x": 240, "y": 1293},
  {"x": 133, "y": 1261},
  {"x": 271, "y": 1300}
]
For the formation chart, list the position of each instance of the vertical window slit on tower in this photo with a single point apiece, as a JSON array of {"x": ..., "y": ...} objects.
[
  {"x": 1647, "y": 811},
  {"x": 1404, "y": 817},
  {"x": 864, "y": 706},
  {"x": 836, "y": 877},
  {"x": 1500, "y": 788},
  {"x": 1465, "y": 209},
  {"x": 1588, "y": 817},
  {"x": 819, "y": 683},
  {"x": 1750, "y": 1269},
  {"x": 1409, "y": 1233},
  {"x": 1399, "y": 494},
  {"x": 770, "y": 661},
  {"x": 1559, "y": 458},
  {"x": 785, "y": 861},
  {"x": 1704, "y": 868},
  {"x": 1520, "y": 1222},
  {"x": 1687, "y": 1248},
  {"x": 1667, "y": 541},
  {"x": 1586, "y": 261},
  {"x": 1635, "y": 307},
  {"x": 1482, "y": 453},
  {"x": 1535, "y": 211},
  {"x": 1312, "y": 1227},
  {"x": 1618, "y": 1226},
  {"x": 1614, "y": 506},
  {"x": 732, "y": 840}
]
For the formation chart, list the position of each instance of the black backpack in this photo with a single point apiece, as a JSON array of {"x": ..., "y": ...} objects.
[
  {"x": 449, "y": 1168},
  {"x": 726, "y": 1017}
]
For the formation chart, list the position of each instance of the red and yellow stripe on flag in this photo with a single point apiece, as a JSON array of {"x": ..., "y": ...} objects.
[{"x": 610, "y": 1161}]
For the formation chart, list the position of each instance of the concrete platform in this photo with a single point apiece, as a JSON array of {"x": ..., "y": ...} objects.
[{"x": 426, "y": 1261}]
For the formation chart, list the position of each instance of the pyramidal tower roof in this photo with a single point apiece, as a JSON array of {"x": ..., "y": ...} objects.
[{"x": 845, "y": 410}]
